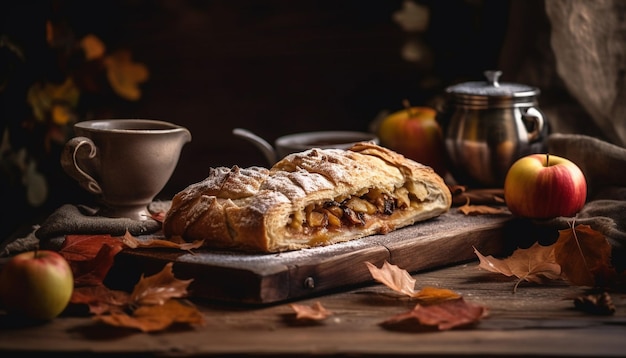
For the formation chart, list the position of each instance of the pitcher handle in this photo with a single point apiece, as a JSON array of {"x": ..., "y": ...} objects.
[
  {"x": 70, "y": 163},
  {"x": 534, "y": 116}
]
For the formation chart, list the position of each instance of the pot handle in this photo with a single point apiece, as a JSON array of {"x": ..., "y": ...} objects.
[
  {"x": 70, "y": 163},
  {"x": 534, "y": 116},
  {"x": 266, "y": 148}
]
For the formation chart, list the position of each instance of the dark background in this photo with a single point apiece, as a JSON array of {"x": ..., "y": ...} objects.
[{"x": 274, "y": 67}]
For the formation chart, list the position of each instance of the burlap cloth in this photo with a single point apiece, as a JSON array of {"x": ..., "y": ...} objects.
[
  {"x": 82, "y": 219},
  {"x": 603, "y": 164}
]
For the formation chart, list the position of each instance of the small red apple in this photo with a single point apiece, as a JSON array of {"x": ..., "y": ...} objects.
[
  {"x": 543, "y": 186},
  {"x": 415, "y": 133},
  {"x": 36, "y": 284}
]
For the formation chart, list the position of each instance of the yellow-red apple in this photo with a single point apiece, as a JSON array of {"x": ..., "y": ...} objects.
[
  {"x": 36, "y": 284},
  {"x": 543, "y": 186},
  {"x": 415, "y": 133}
]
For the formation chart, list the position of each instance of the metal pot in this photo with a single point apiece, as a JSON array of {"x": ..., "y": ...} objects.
[{"x": 487, "y": 126}]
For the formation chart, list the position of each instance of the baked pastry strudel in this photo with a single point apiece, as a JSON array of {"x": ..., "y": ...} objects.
[{"x": 312, "y": 198}]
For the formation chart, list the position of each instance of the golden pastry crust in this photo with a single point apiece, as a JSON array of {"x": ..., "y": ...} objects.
[{"x": 312, "y": 198}]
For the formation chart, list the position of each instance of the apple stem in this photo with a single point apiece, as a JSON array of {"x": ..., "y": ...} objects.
[
  {"x": 547, "y": 159},
  {"x": 407, "y": 105}
]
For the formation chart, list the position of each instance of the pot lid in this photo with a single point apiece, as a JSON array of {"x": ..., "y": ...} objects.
[{"x": 493, "y": 88}]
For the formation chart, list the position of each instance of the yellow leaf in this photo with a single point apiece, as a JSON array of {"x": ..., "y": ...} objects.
[{"x": 125, "y": 75}]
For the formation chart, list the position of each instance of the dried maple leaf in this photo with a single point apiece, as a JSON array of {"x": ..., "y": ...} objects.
[
  {"x": 442, "y": 316},
  {"x": 584, "y": 255},
  {"x": 159, "y": 288},
  {"x": 85, "y": 247},
  {"x": 315, "y": 312},
  {"x": 100, "y": 299},
  {"x": 133, "y": 243},
  {"x": 155, "y": 317},
  {"x": 401, "y": 281},
  {"x": 125, "y": 75},
  {"x": 534, "y": 264},
  {"x": 150, "y": 307},
  {"x": 90, "y": 256}
]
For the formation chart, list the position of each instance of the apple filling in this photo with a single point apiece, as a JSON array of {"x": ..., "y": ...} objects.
[{"x": 356, "y": 210}]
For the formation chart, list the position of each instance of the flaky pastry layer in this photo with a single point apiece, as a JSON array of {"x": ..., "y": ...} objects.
[{"x": 312, "y": 198}]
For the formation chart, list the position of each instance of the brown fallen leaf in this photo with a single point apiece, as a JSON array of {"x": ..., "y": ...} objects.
[
  {"x": 159, "y": 288},
  {"x": 100, "y": 299},
  {"x": 534, "y": 264},
  {"x": 150, "y": 307},
  {"x": 90, "y": 257},
  {"x": 584, "y": 255},
  {"x": 133, "y": 243},
  {"x": 400, "y": 281},
  {"x": 315, "y": 312},
  {"x": 469, "y": 209},
  {"x": 155, "y": 317},
  {"x": 86, "y": 247},
  {"x": 442, "y": 316}
]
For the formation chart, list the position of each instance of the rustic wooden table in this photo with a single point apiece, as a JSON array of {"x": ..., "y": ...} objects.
[{"x": 537, "y": 320}]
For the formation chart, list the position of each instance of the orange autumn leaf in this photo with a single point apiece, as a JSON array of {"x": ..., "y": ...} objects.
[
  {"x": 584, "y": 255},
  {"x": 432, "y": 295},
  {"x": 400, "y": 281},
  {"x": 534, "y": 264},
  {"x": 84, "y": 247},
  {"x": 159, "y": 288},
  {"x": 443, "y": 316},
  {"x": 133, "y": 243},
  {"x": 100, "y": 299},
  {"x": 94, "y": 47},
  {"x": 150, "y": 307},
  {"x": 125, "y": 75},
  {"x": 155, "y": 317},
  {"x": 90, "y": 257},
  {"x": 315, "y": 312}
]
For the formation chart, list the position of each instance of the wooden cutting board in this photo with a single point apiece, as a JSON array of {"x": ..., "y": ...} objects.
[{"x": 269, "y": 278}]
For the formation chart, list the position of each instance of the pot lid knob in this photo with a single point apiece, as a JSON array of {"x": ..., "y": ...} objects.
[{"x": 493, "y": 77}]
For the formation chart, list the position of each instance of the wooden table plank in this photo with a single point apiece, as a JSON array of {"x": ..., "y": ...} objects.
[{"x": 537, "y": 320}]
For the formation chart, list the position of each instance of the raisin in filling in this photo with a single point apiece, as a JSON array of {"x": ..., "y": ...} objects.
[{"x": 352, "y": 211}]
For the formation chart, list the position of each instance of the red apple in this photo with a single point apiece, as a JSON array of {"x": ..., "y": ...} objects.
[
  {"x": 415, "y": 133},
  {"x": 543, "y": 186},
  {"x": 36, "y": 284}
]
